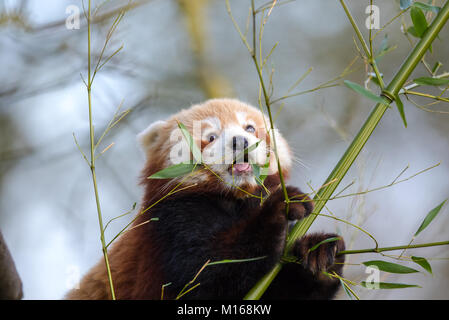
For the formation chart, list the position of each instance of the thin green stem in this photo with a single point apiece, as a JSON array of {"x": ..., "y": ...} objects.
[
  {"x": 92, "y": 154},
  {"x": 409, "y": 246},
  {"x": 415, "y": 93}
]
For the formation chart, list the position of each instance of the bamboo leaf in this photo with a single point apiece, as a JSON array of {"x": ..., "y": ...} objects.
[
  {"x": 234, "y": 261},
  {"x": 387, "y": 285},
  {"x": 175, "y": 171},
  {"x": 333, "y": 239},
  {"x": 260, "y": 172},
  {"x": 413, "y": 32},
  {"x": 428, "y": 81},
  {"x": 389, "y": 266},
  {"x": 423, "y": 263},
  {"x": 429, "y": 217},
  {"x": 361, "y": 90},
  {"x": 192, "y": 145},
  {"x": 419, "y": 21},
  {"x": 383, "y": 49},
  {"x": 400, "y": 107},
  {"x": 383, "y": 46},
  {"x": 256, "y": 171}
]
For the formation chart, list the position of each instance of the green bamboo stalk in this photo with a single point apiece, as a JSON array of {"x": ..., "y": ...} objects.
[
  {"x": 377, "y": 250},
  {"x": 388, "y": 94},
  {"x": 92, "y": 153}
]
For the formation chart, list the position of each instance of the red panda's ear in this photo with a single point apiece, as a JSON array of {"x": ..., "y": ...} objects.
[{"x": 148, "y": 137}]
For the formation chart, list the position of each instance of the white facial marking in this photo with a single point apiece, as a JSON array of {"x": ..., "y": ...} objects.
[
  {"x": 241, "y": 117},
  {"x": 214, "y": 122}
]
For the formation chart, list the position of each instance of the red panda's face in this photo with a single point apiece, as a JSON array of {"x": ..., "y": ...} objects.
[{"x": 232, "y": 137}]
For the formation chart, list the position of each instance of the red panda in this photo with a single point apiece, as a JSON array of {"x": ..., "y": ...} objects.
[{"x": 221, "y": 210}]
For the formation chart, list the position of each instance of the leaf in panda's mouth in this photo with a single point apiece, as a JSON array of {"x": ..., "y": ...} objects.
[
  {"x": 261, "y": 172},
  {"x": 196, "y": 152},
  {"x": 175, "y": 171},
  {"x": 181, "y": 169}
]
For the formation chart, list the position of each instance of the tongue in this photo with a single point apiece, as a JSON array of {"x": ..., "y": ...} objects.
[{"x": 242, "y": 167}]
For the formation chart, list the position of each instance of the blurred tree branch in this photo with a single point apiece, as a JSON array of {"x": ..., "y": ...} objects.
[
  {"x": 211, "y": 82},
  {"x": 18, "y": 17}
]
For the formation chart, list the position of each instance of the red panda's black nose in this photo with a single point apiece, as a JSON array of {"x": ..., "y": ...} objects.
[{"x": 239, "y": 143}]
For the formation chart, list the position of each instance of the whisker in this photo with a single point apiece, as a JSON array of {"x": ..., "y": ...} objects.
[{"x": 301, "y": 163}]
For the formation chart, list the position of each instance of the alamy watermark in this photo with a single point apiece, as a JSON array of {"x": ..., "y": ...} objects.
[
  {"x": 373, "y": 278},
  {"x": 72, "y": 22},
  {"x": 373, "y": 20},
  {"x": 73, "y": 277}
]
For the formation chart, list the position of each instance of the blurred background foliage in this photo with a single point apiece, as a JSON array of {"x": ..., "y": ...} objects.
[{"x": 177, "y": 53}]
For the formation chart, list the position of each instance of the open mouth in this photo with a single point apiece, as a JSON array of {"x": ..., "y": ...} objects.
[
  {"x": 240, "y": 169},
  {"x": 241, "y": 165}
]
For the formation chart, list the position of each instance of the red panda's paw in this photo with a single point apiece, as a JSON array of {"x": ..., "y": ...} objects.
[
  {"x": 317, "y": 257},
  {"x": 299, "y": 207}
]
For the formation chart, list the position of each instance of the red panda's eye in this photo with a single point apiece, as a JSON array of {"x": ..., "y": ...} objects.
[
  {"x": 250, "y": 128},
  {"x": 212, "y": 137}
]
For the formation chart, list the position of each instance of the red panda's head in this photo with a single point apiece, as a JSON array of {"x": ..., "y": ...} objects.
[{"x": 233, "y": 138}]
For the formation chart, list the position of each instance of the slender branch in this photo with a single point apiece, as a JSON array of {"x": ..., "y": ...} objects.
[
  {"x": 415, "y": 93},
  {"x": 115, "y": 119},
  {"x": 92, "y": 153},
  {"x": 390, "y": 21},
  {"x": 95, "y": 19},
  {"x": 118, "y": 217},
  {"x": 185, "y": 290},
  {"x": 409, "y": 246}
]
